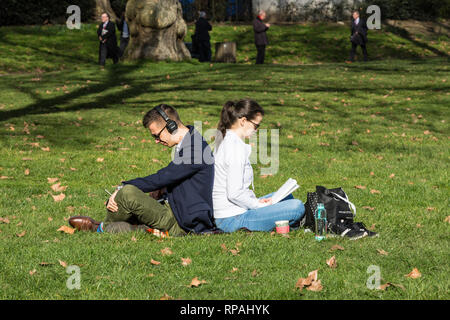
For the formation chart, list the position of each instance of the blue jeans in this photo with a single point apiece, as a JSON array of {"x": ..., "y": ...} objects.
[{"x": 263, "y": 219}]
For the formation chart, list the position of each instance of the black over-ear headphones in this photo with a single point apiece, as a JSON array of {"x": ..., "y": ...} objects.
[{"x": 171, "y": 125}]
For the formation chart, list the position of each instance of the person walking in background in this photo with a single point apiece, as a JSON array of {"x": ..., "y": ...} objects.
[
  {"x": 358, "y": 36},
  {"x": 260, "y": 28},
  {"x": 202, "y": 28},
  {"x": 124, "y": 34},
  {"x": 108, "y": 42}
]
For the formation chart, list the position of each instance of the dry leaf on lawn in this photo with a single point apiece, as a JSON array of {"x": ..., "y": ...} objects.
[
  {"x": 66, "y": 229},
  {"x": 154, "y": 262},
  {"x": 166, "y": 251},
  {"x": 4, "y": 220},
  {"x": 59, "y": 197},
  {"x": 166, "y": 297},
  {"x": 20, "y": 235},
  {"x": 32, "y": 272},
  {"x": 360, "y": 187},
  {"x": 195, "y": 282},
  {"x": 389, "y": 284},
  {"x": 63, "y": 263},
  {"x": 52, "y": 180},
  {"x": 414, "y": 274},
  {"x": 58, "y": 188},
  {"x": 332, "y": 262},
  {"x": 447, "y": 219},
  {"x": 336, "y": 247},
  {"x": 382, "y": 252},
  {"x": 315, "y": 286},
  {"x": 186, "y": 261},
  {"x": 373, "y": 191},
  {"x": 100, "y": 159}
]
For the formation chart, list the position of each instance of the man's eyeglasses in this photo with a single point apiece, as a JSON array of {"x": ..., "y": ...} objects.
[
  {"x": 255, "y": 125},
  {"x": 156, "y": 136}
]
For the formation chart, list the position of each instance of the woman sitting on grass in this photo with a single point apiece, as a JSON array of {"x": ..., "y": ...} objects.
[{"x": 235, "y": 205}]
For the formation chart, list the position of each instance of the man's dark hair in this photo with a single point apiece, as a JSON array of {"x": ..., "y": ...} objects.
[
  {"x": 154, "y": 116},
  {"x": 109, "y": 17}
]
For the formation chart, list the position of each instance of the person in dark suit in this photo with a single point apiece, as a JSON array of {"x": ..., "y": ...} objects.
[
  {"x": 358, "y": 36},
  {"x": 108, "y": 42},
  {"x": 122, "y": 26},
  {"x": 260, "y": 28},
  {"x": 202, "y": 38},
  {"x": 184, "y": 187}
]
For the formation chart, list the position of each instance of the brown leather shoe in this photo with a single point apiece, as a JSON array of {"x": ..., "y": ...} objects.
[{"x": 82, "y": 223}]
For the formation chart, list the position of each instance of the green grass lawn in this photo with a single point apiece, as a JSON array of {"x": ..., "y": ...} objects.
[{"x": 382, "y": 125}]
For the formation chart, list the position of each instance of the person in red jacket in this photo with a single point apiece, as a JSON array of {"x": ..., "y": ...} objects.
[{"x": 260, "y": 28}]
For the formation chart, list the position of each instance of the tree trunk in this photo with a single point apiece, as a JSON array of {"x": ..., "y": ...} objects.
[
  {"x": 104, "y": 6},
  {"x": 157, "y": 30}
]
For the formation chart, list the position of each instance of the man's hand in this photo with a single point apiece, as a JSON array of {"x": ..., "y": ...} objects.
[
  {"x": 112, "y": 205},
  {"x": 268, "y": 25}
]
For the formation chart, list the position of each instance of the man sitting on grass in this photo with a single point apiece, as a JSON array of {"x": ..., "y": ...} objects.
[{"x": 186, "y": 182}]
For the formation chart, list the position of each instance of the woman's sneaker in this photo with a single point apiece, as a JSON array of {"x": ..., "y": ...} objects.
[
  {"x": 351, "y": 231},
  {"x": 361, "y": 226}
]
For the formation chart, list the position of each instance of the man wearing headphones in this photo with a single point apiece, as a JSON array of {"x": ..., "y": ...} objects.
[{"x": 183, "y": 188}]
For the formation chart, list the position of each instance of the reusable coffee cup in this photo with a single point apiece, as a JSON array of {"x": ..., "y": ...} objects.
[{"x": 282, "y": 226}]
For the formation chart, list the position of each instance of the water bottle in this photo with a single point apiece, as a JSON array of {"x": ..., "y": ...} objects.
[{"x": 320, "y": 216}]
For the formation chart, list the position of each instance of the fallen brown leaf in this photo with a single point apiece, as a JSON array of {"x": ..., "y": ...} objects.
[
  {"x": 52, "y": 180},
  {"x": 414, "y": 274},
  {"x": 195, "y": 282},
  {"x": 447, "y": 219},
  {"x": 4, "y": 220},
  {"x": 389, "y": 284},
  {"x": 63, "y": 263},
  {"x": 336, "y": 247},
  {"x": 154, "y": 262},
  {"x": 315, "y": 286},
  {"x": 58, "y": 188},
  {"x": 186, "y": 261},
  {"x": 20, "y": 235},
  {"x": 59, "y": 197},
  {"x": 166, "y": 251},
  {"x": 382, "y": 252},
  {"x": 332, "y": 262},
  {"x": 373, "y": 191},
  {"x": 166, "y": 297},
  {"x": 66, "y": 229},
  {"x": 32, "y": 272},
  {"x": 360, "y": 187}
]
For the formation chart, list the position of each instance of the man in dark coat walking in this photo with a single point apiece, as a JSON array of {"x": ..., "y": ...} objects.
[
  {"x": 202, "y": 38},
  {"x": 358, "y": 35},
  {"x": 108, "y": 42},
  {"x": 260, "y": 28}
]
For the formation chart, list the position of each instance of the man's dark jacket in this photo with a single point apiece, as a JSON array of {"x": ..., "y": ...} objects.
[
  {"x": 260, "y": 32},
  {"x": 110, "y": 37},
  {"x": 202, "y": 28},
  {"x": 189, "y": 180},
  {"x": 361, "y": 29}
]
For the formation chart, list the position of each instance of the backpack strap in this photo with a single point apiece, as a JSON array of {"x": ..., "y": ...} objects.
[{"x": 352, "y": 206}]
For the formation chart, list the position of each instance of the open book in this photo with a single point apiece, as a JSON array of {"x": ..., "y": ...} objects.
[{"x": 286, "y": 189}]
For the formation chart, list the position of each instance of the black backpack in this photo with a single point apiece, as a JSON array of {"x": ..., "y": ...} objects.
[{"x": 340, "y": 211}]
